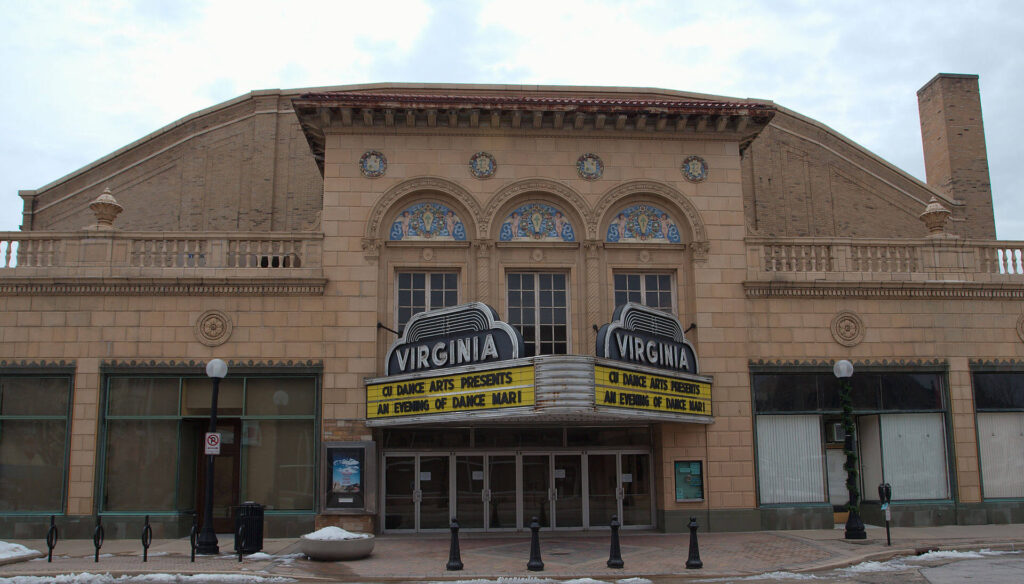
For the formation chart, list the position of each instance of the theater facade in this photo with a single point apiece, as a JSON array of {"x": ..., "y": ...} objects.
[{"x": 500, "y": 303}]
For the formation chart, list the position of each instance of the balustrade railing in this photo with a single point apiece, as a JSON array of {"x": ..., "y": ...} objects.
[
  {"x": 947, "y": 259},
  {"x": 271, "y": 251}
]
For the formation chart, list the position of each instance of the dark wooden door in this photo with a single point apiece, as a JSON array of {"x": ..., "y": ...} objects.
[{"x": 226, "y": 475}]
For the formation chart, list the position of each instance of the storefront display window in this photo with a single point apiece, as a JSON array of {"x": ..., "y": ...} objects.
[
  {"x": 34, "y": 423},
  {"x": 900, "y": 429},
  {"x": 153, "y": 428},
  {"x": 999, "y": 400}
]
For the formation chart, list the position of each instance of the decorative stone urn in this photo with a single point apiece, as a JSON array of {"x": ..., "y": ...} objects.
[
  {"x": 332, "y": 548},
  {"x": 935, "y": 217},
  {"x": 106, "y": 209}
]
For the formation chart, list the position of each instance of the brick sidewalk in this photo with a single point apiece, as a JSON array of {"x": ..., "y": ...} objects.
[{"x": 565, "y": 555}]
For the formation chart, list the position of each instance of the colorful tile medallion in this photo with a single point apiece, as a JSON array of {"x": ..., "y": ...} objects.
[
  {"x": 695, "y": 169},
  {"x": 536, "y": 221},
  {"x": 423, "y": 221},
  {"x": 590, "y": 166},
  {"x": 642, "y": 222},
  {"x": 482, "y": 165},
  {"x": 373, "y": 164}
]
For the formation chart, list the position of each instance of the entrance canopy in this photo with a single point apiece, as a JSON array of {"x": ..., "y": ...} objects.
[{"x": 551, "y": 389}]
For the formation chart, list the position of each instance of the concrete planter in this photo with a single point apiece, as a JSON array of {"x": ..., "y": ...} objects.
[{"x": 334, "y": 550}]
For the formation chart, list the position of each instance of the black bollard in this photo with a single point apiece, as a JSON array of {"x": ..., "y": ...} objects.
[
  {"x": 454, "y": 555},
  {"x": 693, "y": 562},
  {"x": 192, "y": 535},
  {"x": 97, "y": 538},
  {"x": 615, "y": 555},
  {"x": 147, "y": 538},
  {"x": 535, "y": 565},
  {"x": 240, "y": 538},
  {"x": 51, "y": 538}
]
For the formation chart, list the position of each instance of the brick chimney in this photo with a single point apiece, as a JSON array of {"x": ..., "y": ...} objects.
[{"x": 955, "y": 159}]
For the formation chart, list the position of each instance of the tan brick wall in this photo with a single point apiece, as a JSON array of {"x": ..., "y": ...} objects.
[
  {"x": 241, "y": 166},
  {"x": 802, "y": 179},
  {"x": 955, "y": 159}
]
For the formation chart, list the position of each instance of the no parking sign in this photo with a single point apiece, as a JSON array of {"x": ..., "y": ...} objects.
[{"x": 212, "y": 441}]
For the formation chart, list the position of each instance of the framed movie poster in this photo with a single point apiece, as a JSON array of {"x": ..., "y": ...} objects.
[
  {"x": 689, "y": 480},
  {"x": 349, "y": 477}
]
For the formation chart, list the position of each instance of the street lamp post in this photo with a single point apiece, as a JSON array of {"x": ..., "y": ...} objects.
[
  {"x": 854, "y": 525},
  {"x": 206, "y": 543}
]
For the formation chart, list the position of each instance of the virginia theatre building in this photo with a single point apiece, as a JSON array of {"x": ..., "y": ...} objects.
[{"x": 504, "y": 302}]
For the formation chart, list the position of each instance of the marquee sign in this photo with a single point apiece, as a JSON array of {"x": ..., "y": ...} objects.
[
  {"x": 468, "y": 334},
  {"x": 644, "y": 336},
  {"x": 476, "y": 389}
]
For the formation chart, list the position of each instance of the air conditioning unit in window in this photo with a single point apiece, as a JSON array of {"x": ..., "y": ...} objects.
[{"x": 836, "y": 433}]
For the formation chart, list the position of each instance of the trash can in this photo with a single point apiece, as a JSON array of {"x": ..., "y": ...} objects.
[{"x": 248, "y": 528}]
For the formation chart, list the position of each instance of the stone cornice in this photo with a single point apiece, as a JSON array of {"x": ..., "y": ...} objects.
[
  {"x": 24, "y": 367},
  {"x": 994, "y": 365},
  {"x": 535, "y": 112},
  {"x": 825, "y": 365},
  {"x": 233, "y": 366},
  {"x": 161, "y": 287},
  {"x": 949, "y": 290}
]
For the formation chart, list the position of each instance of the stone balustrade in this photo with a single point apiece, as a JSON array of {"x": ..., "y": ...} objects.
[
  {"x": 915, "y": 260},
  {"x": 134, "y": 254}
]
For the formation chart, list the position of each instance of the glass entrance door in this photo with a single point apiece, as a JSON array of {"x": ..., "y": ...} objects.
[
  {"x": 416, "y": 492},
  {"x": 501, "y": 491},
  {"x": 504, "y": 491},
  {"x": 620, "y": 484}
]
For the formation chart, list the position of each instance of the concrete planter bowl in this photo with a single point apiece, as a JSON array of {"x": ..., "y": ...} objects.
[{"x": 336, "y": 550}]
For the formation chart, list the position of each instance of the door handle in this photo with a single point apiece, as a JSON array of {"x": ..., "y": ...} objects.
[
  {"x": 553, "y": 494},
  {"x": 485, "y": 495},
  {"x": 417, "y": 496}
]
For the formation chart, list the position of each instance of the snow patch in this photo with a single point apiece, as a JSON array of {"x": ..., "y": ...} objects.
[
  {"x": 633, "y": 581},
  {"x": 9, "y": 551},
  {"x": 765, "y": 576},
  {"x": 332, "y": 533},
  {"x": 945, "y": 555},
  {"x": 259, "y": 556},
  {"x": 501, "y": 580},
  {"x": 895, "y": 565}
]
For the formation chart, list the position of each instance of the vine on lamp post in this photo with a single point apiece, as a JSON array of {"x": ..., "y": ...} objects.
[
  {"x": 846, "y": 403},
  {"x": 843, "y": 370}
]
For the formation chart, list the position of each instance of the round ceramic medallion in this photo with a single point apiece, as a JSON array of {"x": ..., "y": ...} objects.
[
  {"x": 695, "y": 169},
  {"x": 373, "y": 164},
  {"x": 847, "y": 329},
  {"x": 482, "y": 165},
  {"x": 213, "y": 328},
  {"x": 590, "y": 166}
]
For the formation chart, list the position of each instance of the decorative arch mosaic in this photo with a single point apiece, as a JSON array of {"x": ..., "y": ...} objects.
[
  {"x": 427, "y": 221},
  {"x": 536, "y": 222},
  {"x": 642, "y": 222}
]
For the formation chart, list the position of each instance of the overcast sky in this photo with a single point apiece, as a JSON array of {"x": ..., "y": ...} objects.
[{"x": 82, "y": 79}]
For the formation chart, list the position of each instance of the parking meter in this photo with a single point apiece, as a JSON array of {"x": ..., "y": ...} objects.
[
  {"x": 885, "y": 496},
  {"x": 885, "y": 493}
]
